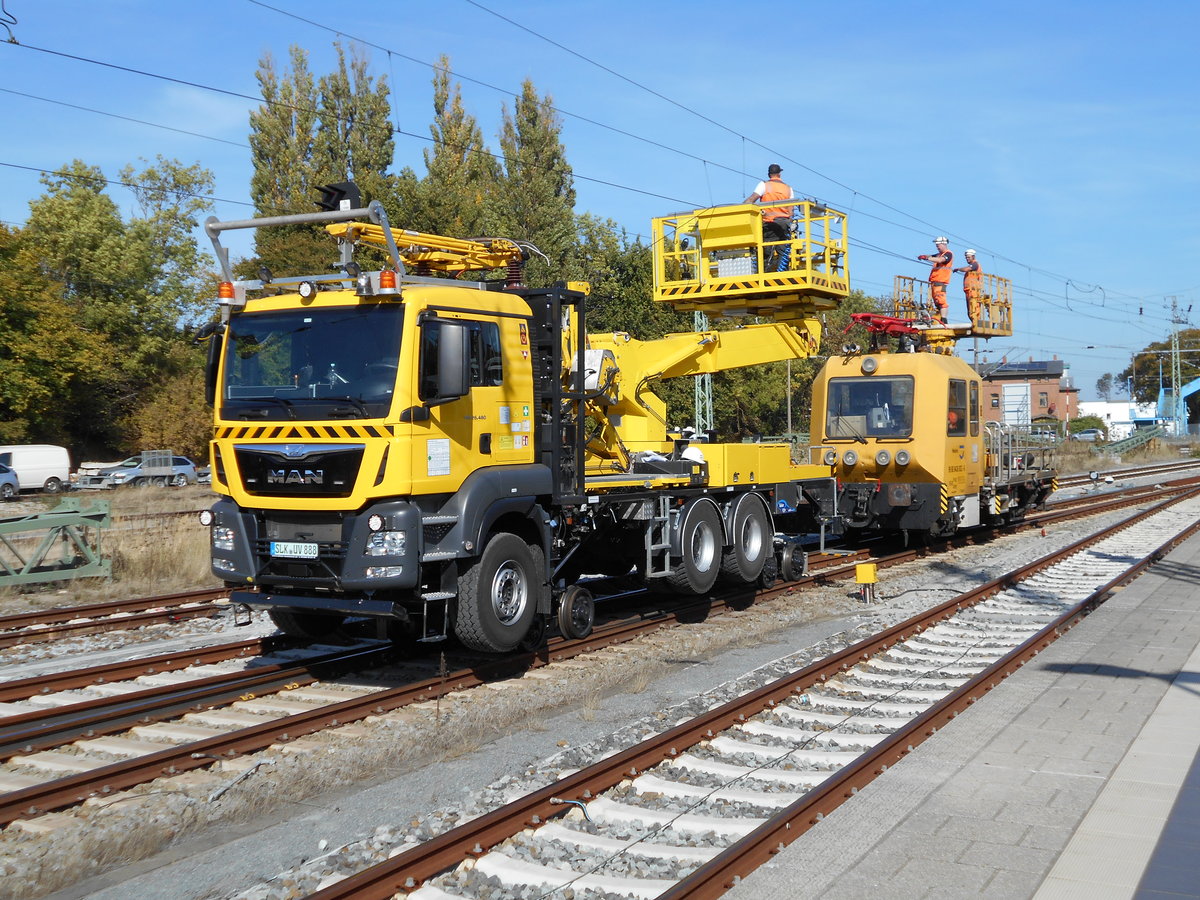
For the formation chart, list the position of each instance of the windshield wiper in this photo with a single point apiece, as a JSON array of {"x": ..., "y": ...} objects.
[
  {"x": 359, "y": 407},
  {"x": 285, "y": 403},
  {"x": 845, "y": 425}
]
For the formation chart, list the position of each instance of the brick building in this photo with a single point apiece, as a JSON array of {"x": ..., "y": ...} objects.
[{"x": 1023, "y": 392}]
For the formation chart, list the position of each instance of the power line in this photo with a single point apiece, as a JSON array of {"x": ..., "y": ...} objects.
[{"x": 862, "y": 244}]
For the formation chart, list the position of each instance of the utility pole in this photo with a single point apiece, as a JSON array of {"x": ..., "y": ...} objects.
[
  {"x": 703, "y": 386},
  {"x": 1179, "y": 406}
]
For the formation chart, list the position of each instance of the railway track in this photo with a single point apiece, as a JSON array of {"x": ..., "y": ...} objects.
[
  {"x": 51, "y": 624},
  {"x": 69, "y": 748},
  {"x": 689, "y": 811},
  {"x": 1144, "y": 471}
]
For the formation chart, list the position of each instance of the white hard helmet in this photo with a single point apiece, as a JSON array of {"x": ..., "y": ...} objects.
[
  {"x": 941, "y": 239},
  {"x": 970, "y": 253}
]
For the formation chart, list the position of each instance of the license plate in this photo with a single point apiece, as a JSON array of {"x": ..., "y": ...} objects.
[{"x": 294, "y": 549}]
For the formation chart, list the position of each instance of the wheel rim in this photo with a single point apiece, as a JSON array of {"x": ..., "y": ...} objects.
[
  {"x": 752, "y": 538},
  {"x": 7, "y": 491},
  {"x": 703, "y": 547},
  {"x": 179, "y": 480},
  {"x": 582, "y": 611},
  {"x": 510, "y": 593}
]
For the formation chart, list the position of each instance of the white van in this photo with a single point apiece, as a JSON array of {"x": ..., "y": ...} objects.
[{"x": 39, "y": 467}]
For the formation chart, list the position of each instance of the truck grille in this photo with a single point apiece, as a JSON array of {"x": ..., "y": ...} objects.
[{"x": 299, "y": 470}]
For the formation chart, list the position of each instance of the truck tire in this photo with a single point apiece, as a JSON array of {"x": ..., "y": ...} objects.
[
  {"x": 497, "y": 596},
  {"x": 700, "y": 544},
  {"x": 749, "y": 539},
  {"x": 307, "y": 625},
  {"x": 53, "y": 486}
]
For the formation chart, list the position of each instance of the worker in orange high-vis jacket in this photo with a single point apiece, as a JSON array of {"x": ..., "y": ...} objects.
[
  {"x": 939, "y": 275},
  {"x": 972, "y": 284},
  {"x": 775, "y": 218}
]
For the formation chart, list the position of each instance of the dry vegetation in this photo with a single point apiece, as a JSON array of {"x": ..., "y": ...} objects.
[
  {"x": 161, "y": 554},
  {"x": 1073, "y": 457}
]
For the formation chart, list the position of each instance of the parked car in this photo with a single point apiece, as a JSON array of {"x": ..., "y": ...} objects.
[
  {"x": 9, "y": 486},
  {"x": 39, "y": 467},
  {"x": 1044, "y": 434},
  {"x": 1089, "y": 434},
  {"x": 135, "y": 471}
]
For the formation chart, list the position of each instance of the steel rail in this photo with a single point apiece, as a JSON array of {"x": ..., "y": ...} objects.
[
  {"x": 109, "y": 623},
  {"x": 408, "y": 869},
  {"x": 43, "y": 728},
  {"x": 67, "y": 613},
  {"x": 24, "y": 688}
]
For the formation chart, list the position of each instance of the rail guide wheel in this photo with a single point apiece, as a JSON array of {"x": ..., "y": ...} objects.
[
  {"x": 576, "y": 612},
  {"x": 793, "y": 563}
]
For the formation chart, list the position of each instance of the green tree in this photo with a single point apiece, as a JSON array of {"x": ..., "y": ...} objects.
[
  {"x": 308, "y": 133},
  {"x": 282, "y": 133},
  {"x": 1151, "y": 366},
  {"x": 535, "y": 199},
  {"x": 461, "y": 174},
  {"x": 98, "y": 303},
  {"x": 354, "y": 140},
  {"x": 173, "y": 416}
]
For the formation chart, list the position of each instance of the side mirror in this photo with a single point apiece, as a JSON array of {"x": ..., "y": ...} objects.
[
  {"x": 215, "y": 335},
  {"x": 447, "y": 377},
  {"x": 454, "y": 352}
]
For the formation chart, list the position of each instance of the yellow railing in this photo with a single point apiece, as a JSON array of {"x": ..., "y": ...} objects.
[
  {"x": 990, "y": 317},
  {"x": 716, "y": 261}
]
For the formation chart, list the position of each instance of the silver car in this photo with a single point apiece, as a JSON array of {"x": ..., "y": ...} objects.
[
  {"x": 1089, "y": 434},
  {"x": 130, "y": 472}
]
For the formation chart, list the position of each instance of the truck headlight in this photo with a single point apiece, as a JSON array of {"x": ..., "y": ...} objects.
[
  {"x": 223, "y": 565},
  {"x": 386, "y": 543},
  {"x": 222, "y": 537}
]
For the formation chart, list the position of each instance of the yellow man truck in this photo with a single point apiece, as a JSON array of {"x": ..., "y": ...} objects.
[{"x": 451, "y": 455}]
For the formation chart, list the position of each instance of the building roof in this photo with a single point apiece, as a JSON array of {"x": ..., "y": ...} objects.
[{"x": 1034, "y": 368}]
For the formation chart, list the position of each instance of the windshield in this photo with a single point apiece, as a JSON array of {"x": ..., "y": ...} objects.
[
  {"x": 860, "y": 408},
  {"x": 312, "y": 363}
]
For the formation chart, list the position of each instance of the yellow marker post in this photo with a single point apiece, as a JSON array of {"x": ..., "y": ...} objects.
[{"x": 866, "y": 574}]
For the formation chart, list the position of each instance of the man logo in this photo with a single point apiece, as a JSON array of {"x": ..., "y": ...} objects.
[{"x": 295, "y": 476}]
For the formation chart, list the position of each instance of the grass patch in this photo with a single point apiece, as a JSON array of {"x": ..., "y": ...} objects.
[{"x": 154, "y": 546}]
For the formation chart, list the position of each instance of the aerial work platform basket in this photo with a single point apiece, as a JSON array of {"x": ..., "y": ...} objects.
[
  {"x": 715, "y": 261},
  {"x": 991, "y": 316}
]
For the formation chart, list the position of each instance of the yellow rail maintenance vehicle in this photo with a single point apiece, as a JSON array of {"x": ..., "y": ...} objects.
[
  {"x": 901, "y": 423},
  {"x": 450, "y": 456}
]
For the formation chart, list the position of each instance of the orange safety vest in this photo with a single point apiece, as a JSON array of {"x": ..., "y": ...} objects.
[
  {"x": 775, "y": 189},
  {"x": 940, "y": 274},
  {"x": 972, "y": 277}
]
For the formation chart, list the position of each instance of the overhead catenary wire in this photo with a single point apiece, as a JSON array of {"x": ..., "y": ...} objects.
[{"x": 602, "y": 182}]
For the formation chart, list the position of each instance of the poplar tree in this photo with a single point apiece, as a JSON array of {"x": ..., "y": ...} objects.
[
  {"x": 536, "y": 197},
  {"x": 282, "y": 134},
  {"x": 312, "y": 132},
  {"x": 354, "y": 140},
  {"x": 460, "y": 183}
]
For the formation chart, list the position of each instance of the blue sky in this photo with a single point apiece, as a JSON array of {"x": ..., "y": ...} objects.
[{"x": 1058, "y": 139}]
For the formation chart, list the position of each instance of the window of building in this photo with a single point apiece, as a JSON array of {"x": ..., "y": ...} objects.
[
  {"x": 995, "y": 401},
  {"x": 1043, "y": 399}
]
